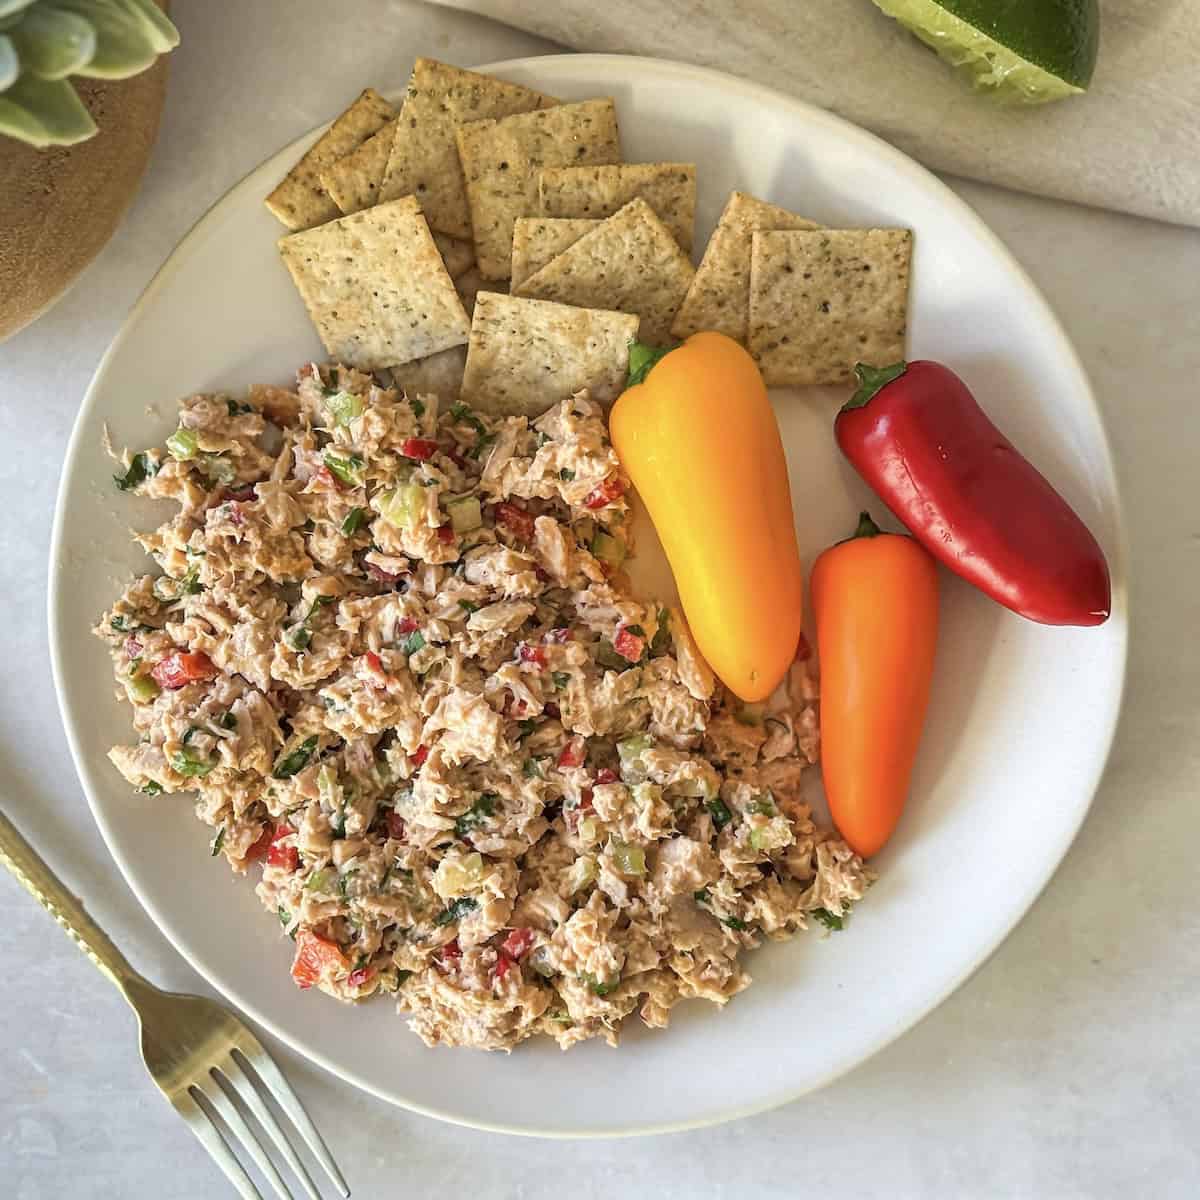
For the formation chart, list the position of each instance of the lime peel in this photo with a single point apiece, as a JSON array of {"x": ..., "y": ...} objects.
[{"x": 990, "y": 65}]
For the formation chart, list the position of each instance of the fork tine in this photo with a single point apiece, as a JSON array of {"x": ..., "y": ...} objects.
[
  {"x": 228, "y": 1112},
  {"x": 200, "y": 1123},
  {"x": 264, "y": 1066},
  {"x": 248, "y": 1093}
]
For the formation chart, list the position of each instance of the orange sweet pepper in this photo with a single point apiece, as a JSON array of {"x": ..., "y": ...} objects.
[
  {"x": 875, "y": 599},
  {"x": 701, "y": 444}
]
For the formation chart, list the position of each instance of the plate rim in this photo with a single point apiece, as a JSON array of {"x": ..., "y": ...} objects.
[{"x": 1118, "y": 563}]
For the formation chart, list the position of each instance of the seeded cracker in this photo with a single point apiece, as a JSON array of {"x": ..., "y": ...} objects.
[
  {"x": 353, "y": 182},
  {"x": 424, "y": 159},
  {"x": 719, "y": 298},
  {"x": 525, "y": 356},
  {"x": 824, "y": 300},
  {"x": 300, "y": 201},
  {"x": 539, "y": 240},
  {"x": 629, "y": 263},
  {"x": 669, "y": 189},
  {"x": 376, "y": 287},
  {"x": 501, "y": 160}
]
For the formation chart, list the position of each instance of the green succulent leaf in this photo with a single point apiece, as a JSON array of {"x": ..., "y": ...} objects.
[
  {"x": 10, "y": 7},
  {"x": 53, "y": 43},
  {"x": 123, "y": 44},
  {"x": 10, "y": 64},
  {"x": 158, "y": 26},
  {"x": 44, "y": 112}
]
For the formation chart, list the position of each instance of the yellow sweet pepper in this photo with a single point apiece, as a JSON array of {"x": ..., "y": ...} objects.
[{"x": 701, "y": 445}]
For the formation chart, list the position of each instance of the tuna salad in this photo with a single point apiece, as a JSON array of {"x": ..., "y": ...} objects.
[{"x": 391, "y": 646}]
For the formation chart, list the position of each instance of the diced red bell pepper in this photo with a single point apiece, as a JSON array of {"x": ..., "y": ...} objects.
[
  {"x": 407, "y": 625},
  {"x": 244, "y": 494},
  {"x": 585, "y": 799},
  {"x": 516, "y": 520},
  {"x": 421, "y": 449},
  {"x": 236, "y": 516},
  {"x": 363, "y": 975},
  {"x": 552, "y": 710},
  {"x": 327, "y": 479},
  {"x": 419, "y": 755},
  {"x": 518, "y": 943},
  {"x": 261, "y": 846},
  {"x": 504, "y": 964},
  {"x": 445, "y": 534},
  {"x": 315, "y": 958},
  {"x": 610, "y": 490},
  {"x": 287, "y": 857},
  {"x": 605, "y": 775},
  {"x": 451, "y": 951},
  {"x": 629, "y": 646},
  {"x": 375, "y": 669},
  {"x": 531, "y": 654},
  {"x": 181, "y": 668},
  {"x": 395, "y": 825},
  {"x": 572, "y": 754}
]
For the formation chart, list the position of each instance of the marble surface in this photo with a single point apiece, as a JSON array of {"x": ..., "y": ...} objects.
[{"x": 1069, "y": 1066}]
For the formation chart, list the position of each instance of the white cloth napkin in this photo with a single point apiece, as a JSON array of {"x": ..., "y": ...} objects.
[{"x": 1132, "y": 143}]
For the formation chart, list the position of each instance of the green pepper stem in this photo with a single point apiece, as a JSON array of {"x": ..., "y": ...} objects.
[
  {"x": 866, "y": 527},
  {"x": 642, "y": 359},
  {"x": 871, "y": 381}
]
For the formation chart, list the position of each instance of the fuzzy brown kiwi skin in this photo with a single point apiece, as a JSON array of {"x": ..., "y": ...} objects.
[{"x": 58, "y": 207}]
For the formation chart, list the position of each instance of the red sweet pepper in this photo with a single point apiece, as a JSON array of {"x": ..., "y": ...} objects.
[{"x": 915, "y": 433}]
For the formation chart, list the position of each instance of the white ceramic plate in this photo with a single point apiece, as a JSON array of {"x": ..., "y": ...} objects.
[{"x": 1021, "y": 720}]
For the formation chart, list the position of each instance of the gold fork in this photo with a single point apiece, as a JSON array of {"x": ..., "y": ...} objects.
[{"x": 198, "y": 1052}]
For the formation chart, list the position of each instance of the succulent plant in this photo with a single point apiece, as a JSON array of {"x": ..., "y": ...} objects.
[{"x": 44, "y": 42}]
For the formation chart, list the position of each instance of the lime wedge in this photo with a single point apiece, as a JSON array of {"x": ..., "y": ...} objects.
[{"x": 1031, "y": 51}]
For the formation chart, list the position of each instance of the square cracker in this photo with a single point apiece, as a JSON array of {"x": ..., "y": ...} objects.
[
  {"x": 539, "y": 240},
  {"x": 424, "y": 159},
  {"x": 669, "y": 189},
  {"x": 300, "y": 201},
  {"x": 376, "y": 287},
  {"x": 629, "y": 263},
  {"x": 824, "y": 300},
  {"x": 525, "y": 356},
  {"x": 440, "y": 374},
  {"x": 353, "y": 182},
  {"x": 719, "y": 298},
  {"x": 501, "y": 160}
]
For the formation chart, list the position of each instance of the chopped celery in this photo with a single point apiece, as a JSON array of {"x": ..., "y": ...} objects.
[
  {"x": 456, "y": 876},
  {"x": 354, "y": 521},
  {"x": 477, "y": 814},
  {"x": 607, "y": 549},
  {"x": 763, "y": 805},
  {"x": 295, "y": 762},
  {"x": 606, "y": 656},
  {"x": 630, "y": 751},
  {"x": 142, "y": 689},
  {"x": 187, "y": 762},
  {"x": 413, "y": 643},
  {"x": 628, "y": 859},
  {"x": 327, "y": 779},
  {"x": 589, "y": 831},
  {"x": 661, "y": 641},
  {"x": 401, "y": 506},
  {"x": 320, "y": 881},
  {"x": 719, "y": 811},
  {"x": 646, "y": 794},
  {"x": 829, "y": 919},
  {"x": 464, "y": 513},
  {"x": 583, "y": 871},
  {"x": 344, "y": 407},
  {"x": 218, "y": 468},
  {"x": 183, "y": 444}
]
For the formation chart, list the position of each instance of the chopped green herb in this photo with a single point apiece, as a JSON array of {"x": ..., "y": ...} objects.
[
  {"x": 464, "y": 416},
  {"x": 124, "y": 625},
  {"x": 338, "y": 824},
  {"x": 662, "y": 635},
  {"x": 218, "y": 841},
  {"x": 456, "y": 911},
  {"x": 285, "y": 917},
  {"x": 734, "y": 923},
  {"x": 354, "y": 521},
  {"x": 526, "y": 727},
  {"x": 468, "y": 606},
  {"x": 828, "y": 919},
  {"x": 532, "y": 769},
  {"x": 291, "y": 764},
  {"x": 598, "y": 987},
  {"x": 418, "y": 407},
  {"x": 719, "y": 811},
  {"x": 227, "y": 720},
  {"x": 401, "y": 976},
  {"x": 185, "y": 762},
  {"x": 413, "y": 643},
  {"x": 475, "y": 816},
  {"x": 702, "y": 897},
  {"x": 141, "y": 467},
  {"x": 764, "y": 806},
  {"x": 485, "y": 440},
  {"x": 298, "y": 638},
  {"x": 151, "y": 788},
  {"x": 344, "y": 883},
  {"x": 636, "y": 630},
  {"x": 542, "y": 439},
  {"x": 566, "y": 475},
  {"x": 348, "y": 470}
]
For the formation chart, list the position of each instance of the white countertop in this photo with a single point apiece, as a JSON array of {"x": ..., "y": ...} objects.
[{"x": 1069, "y": 1066}]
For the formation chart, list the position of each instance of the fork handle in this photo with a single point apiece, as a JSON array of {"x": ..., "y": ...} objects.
[{"x": 53, "y": 895}]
